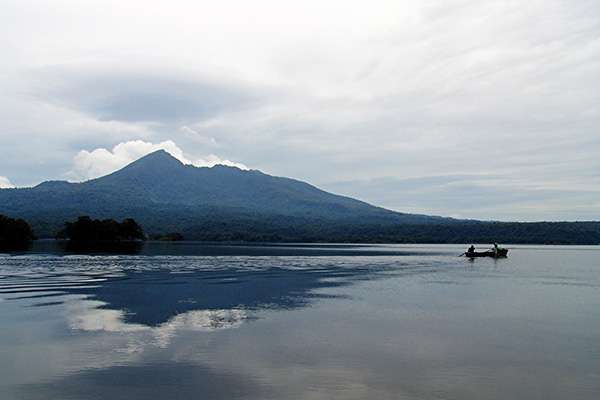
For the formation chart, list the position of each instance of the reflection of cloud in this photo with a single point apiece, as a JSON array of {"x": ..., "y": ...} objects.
[
  {"x": 91, "y": 317},
  {"x": 197, "y": 321},
  {"x": 208, "y": 320}
]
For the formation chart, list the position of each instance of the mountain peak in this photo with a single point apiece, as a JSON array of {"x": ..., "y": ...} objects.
[
  {"x": 50, "y": 185},
  {"x": 153, "y": 168},
  {"x": 156, "y": 158},
  {"x": 160, "y": 160}
]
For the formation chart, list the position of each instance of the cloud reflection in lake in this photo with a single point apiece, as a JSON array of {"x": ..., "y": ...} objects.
[{"x": 421, "y": 323}]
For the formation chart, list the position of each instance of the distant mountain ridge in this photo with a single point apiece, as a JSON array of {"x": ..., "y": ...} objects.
[
  {"x": 158, "y": 185},
  {"x": 227, "y": 204}
]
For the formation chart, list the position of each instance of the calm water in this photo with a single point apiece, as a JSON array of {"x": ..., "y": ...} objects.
[{"x": 185, "y": 321}]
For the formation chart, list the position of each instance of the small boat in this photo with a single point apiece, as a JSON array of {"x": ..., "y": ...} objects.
[{"x": 489, "y": 253}]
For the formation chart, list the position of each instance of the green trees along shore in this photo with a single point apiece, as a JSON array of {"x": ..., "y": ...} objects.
[
  {"x": 15, "y": 232},
  {"x": 86, "y": 229},
  {"x": 185, "y": 224}
]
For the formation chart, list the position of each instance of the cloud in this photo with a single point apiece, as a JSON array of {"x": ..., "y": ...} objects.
[
  {"x": 100, "y": 162},
  {"x": 195, "y": 136},
  {"x": 476, "y": 196},
  {"x": 5, "y": 183},
  {"x": 112, "y": 94},
  {"x": 212, "y": 160},
  {"x": 394, "y": 89}
]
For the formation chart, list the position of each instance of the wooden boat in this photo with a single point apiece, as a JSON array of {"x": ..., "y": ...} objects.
[{"x": 489, "y": 253}]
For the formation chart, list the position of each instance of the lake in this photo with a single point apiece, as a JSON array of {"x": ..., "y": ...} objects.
[{"x": 196, "y": 321}]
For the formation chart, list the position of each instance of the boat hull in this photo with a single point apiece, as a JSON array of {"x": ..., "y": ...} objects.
[{"x": 490, "y": 253}]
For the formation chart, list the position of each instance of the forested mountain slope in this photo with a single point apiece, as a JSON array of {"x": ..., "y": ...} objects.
[
  {"x": 229, "y": 204},
  {"x": 163, "y": 194}
]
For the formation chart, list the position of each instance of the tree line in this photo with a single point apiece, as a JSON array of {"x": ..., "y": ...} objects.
[
  {"x": 312, "y": 231},
  {"x": 195, "y": 227},
  {"x": 14, "y": 232},
  {"x": 86, "y": 229}
]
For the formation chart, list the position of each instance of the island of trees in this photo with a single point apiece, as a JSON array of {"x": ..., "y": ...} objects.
[
  {"x": 15, "y": 233},
  {"x": 87, "y": 230}
]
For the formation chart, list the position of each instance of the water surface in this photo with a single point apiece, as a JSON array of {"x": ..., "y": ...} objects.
[{"x": 188, "y": 321}]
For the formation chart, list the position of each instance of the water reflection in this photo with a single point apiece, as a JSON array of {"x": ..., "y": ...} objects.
[
  {"x": 15, "y": 247},
  {"x": 154, "y": 297},
  {"x": 153, "y": 248},
  {"x": 169, "y": 380},
  {"x": 426, "y": 326},
  {"x": 152, "y": 291},
  {"x": 105, "y": 322}
]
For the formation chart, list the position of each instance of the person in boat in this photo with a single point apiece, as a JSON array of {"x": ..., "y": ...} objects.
[
  {"x": 496, "y": 249},
  {"x": 471, "y": 250}
]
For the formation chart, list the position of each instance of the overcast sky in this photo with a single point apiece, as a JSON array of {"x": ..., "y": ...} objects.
[{"x": 470, "y": 109}]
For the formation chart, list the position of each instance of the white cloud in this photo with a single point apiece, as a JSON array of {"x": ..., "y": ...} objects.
[
  {"x": 5, "y": 183},
  {"x": 100, "y": 162},
  {"x": 211, "y": 160}
]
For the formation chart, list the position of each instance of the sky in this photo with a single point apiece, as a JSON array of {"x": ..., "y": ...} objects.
[{"x": 467, "y": 109}]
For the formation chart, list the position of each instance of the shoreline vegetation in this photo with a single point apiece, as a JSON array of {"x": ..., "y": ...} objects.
[
  {"x": 16, "y": 233},
  {"x": 87, "y": 230}
]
